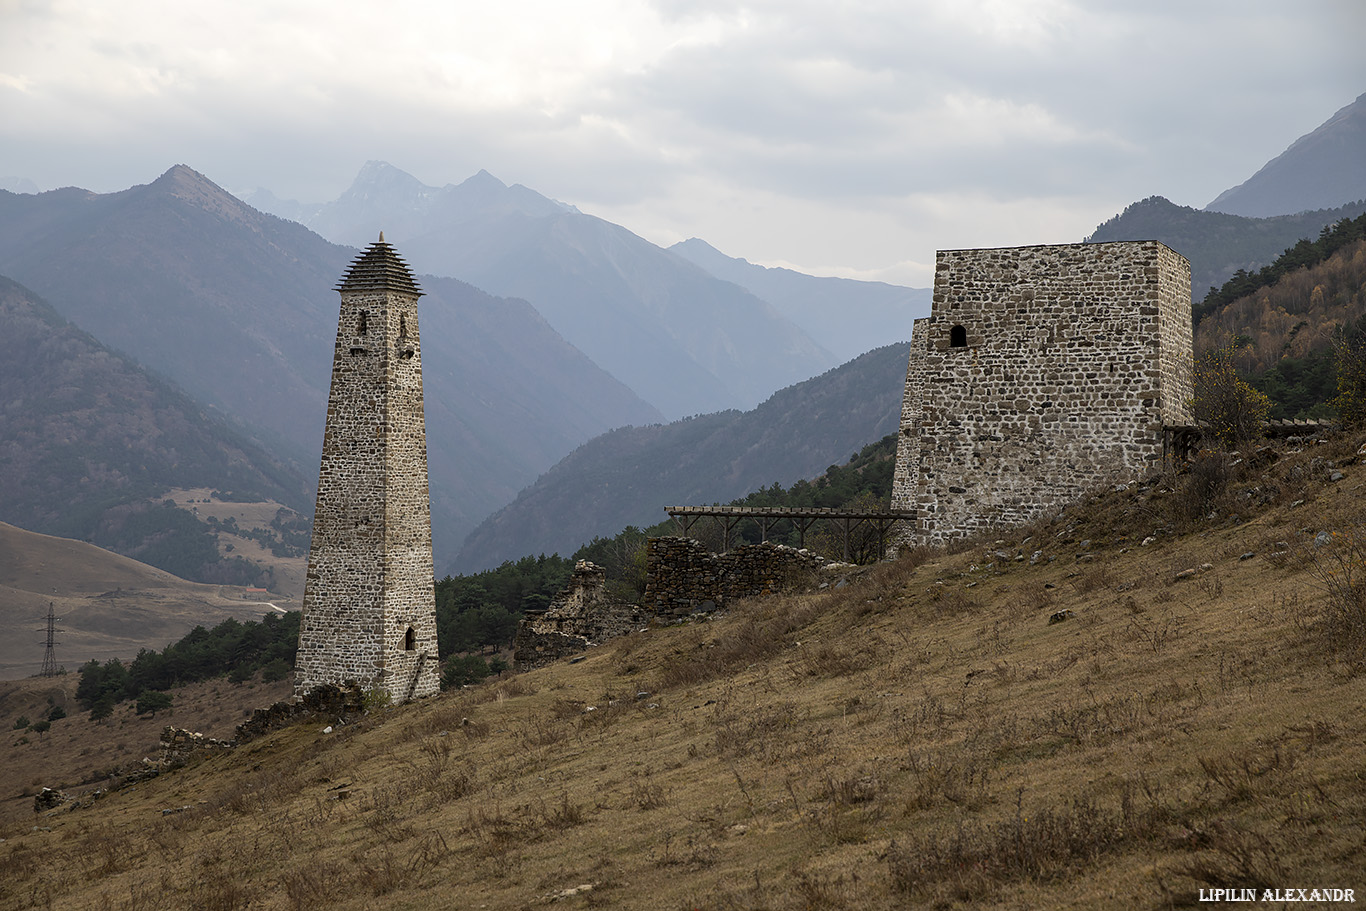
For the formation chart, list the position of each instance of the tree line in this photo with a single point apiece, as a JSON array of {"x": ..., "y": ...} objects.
[{"x": 233, "y": 648}]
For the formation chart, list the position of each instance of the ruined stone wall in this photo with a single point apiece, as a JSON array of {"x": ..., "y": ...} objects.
[
  {"x": 580, "y": 616},
  {"x": 683, "y": 577},
  {"x": 1043, "y": 373},
  {"x": 370, "y": 573}
]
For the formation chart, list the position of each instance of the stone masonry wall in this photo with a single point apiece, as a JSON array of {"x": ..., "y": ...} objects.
[
  {"x": 904, "y": 477},
  {"x": 370, "y": 575},
  {"x": 580, "y": 616},
  {"x": 683, "y": 577},
  {"x": 1041, "y": 373}
]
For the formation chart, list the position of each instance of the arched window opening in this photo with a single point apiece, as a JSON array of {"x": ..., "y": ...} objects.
[
  {"x": 362, "y": 323},
  {"x": 410, "y": 640},
  {"x": 958, "y": 337}
]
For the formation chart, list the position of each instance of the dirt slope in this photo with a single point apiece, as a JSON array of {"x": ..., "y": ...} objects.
[{"x": 922, "y": 737}]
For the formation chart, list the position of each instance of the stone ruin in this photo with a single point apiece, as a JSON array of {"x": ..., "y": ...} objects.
[
  {"x": 685, "y": 578},
  {"x": 580, "y": 616}
]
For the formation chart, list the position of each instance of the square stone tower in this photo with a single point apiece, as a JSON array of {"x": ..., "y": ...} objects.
[
  {"x": 1040, "y": 374},
  {"x": 369, "y": 613}
]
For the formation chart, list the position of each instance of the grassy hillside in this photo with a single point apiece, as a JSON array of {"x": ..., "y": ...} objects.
[
  {"x": 109, "y": 606},
  {"x": 922, "y": 736}
]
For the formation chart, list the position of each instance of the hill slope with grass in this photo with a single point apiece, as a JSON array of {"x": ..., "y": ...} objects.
[
  {"x": 922, "y": 736},
  {"x": 109, "y": 606}
]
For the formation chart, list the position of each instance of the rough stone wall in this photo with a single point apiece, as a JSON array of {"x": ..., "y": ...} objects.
[
  {"x": 370, "y": 573},
  {"x": 1177, "y": 362},
  {"x": 684, "y": 578},
  {"x": 1043, "y": 373},
  {"x": 905, "y": 470},
  {"x": 578, "y": 617}
]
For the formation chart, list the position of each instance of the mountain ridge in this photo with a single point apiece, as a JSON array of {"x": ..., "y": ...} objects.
[
  {"x": 628, "y": 475},
  {"x": 1323, "y": 169},
  {"x": 850, "y": 317},
  {"x": 684, "y": 340},
  {"x": 238, "y": 307}
]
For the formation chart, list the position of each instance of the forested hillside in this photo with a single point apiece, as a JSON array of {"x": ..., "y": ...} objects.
[
  {"x": 91, "y": 440},
  {"x": 1217, "y": 245},
  {"x": 1282, "y": 321},
  {"x": 628, "y": 476}
]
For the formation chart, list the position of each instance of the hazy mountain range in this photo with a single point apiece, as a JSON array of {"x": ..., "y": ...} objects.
[
  {"x": 236, "y": 308},
  {"x": 1321, "y": 170},
  {"x": 821, "y": 305},
  {"x": 92, "y": 440},
  {"x": 684, "y": 340},
  {"x": 628, "y": 476}
]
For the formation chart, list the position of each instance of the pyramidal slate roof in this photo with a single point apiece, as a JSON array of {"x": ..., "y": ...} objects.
[{"x": 379, "y": 268}]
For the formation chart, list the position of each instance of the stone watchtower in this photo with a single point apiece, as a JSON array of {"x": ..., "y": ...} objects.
[
  {"x": 1040, "y": 374},
  {"x": 369, "y": 613}
]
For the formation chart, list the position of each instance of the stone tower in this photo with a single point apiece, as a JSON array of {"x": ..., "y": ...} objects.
[
  {"x": 1040, "y": 374},
  {"x": 369, "y": 613}
]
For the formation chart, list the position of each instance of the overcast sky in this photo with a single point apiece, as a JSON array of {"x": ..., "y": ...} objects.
[{"x": 850, "y": 138}]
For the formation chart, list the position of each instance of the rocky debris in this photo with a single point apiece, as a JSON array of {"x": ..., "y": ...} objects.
[
  {"x": 335, "y": 702},
  {"x": 178, "y": 746},
  {"x": 1060, "y": 616},
  {"x": 581, "y": 616},
  {"x": 51, "y": 799},
  {"x": 1192, "y": 572}
]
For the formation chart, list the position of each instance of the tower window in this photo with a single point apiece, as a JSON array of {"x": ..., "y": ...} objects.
[
  {"x": 410, "y": 640},
  {"x": 362, "y": 323},
  {"x": 958, "y": 337},
  {"x": 402, "y": 326}
]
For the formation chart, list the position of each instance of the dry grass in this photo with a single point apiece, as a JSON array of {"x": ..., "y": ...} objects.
[{"x": 922, "y": 737}]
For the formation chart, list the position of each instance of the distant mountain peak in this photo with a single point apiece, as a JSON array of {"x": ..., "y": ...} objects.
[
  {"x": 484, "y": 178},
  {"x": 1323, "y": 169},
  {"x": 182, "y": 175},
  {"x": 184, "y": 183}
]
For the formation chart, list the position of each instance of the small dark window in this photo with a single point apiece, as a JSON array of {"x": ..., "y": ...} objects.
[
  {"x": 410, "y": 640},
  {"x": 362, "y": 323},
  {"x": 958, "y": 337},
  {"x": 402, "y": 326}
]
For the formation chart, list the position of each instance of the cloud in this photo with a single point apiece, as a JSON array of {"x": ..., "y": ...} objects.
[{"x": 780, "y": 130}]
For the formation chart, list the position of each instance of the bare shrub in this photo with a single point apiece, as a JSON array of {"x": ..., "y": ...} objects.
[
  {"x": 765, "y": 732},
  {"x": 758, "y": 630},
  {"x": 1247, "y": 774},
  {"x": 940, "y": 778},
  {"x": 315, "y": 884},
  {"x": 563, "y": 815},
  {"x": 1238, "y": 855},
  {"x": 1339, "y": 569},
  {"x": 1044, "y": 846},
  {"x": 646, "y": 794}
]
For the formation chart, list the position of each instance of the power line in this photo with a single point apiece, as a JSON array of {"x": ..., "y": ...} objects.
[{"x": 50, "y": 656}]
